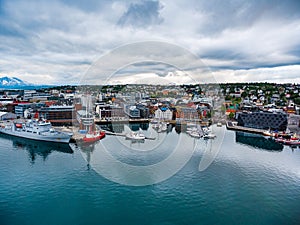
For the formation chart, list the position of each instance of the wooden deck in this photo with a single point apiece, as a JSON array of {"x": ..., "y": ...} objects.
[{"x": 230, "y": 126}]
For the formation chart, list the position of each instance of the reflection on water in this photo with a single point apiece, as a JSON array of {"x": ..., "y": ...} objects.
[
  {"x": 240, "y": 187},
  {"x": 257, "y": 141},
  {"x": 119, "y": 127},
  {"x": 87, "y": 149},
  {"x": 37, "y": 148}
]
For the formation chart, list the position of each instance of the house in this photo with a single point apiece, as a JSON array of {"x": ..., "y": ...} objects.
[
  {"x": 7, "y": 116},
  {"x": 163, "y": 113},
  {"x": 189, "y": 113}
]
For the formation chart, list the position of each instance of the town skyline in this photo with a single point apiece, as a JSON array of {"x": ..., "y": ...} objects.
[{"x": 59, "y": 42}]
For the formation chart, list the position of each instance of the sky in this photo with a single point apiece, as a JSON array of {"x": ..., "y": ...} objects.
[{"x": 58, "y": 42}]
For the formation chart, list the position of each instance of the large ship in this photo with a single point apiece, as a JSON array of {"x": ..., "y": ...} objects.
[{"x": 40, "y": 130}]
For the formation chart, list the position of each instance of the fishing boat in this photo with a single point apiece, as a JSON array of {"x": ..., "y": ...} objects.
[
  {"x": 209, "y": 136},
  {"x": 288, "y": 140},
  {"x": 93, "y": 136},
  {"x": 135, "y": 136},
  {"x": 195, "y": 134},
  {"x": 40, "y": 130}
]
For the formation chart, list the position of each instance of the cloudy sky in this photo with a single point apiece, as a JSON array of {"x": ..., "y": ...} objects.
[{"x": 57, "y": 42}]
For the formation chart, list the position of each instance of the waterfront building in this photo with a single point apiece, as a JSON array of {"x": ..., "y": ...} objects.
[
  {"x": 132, "y": 111},
  {"x": 58, "y": 115},
  {"x": 188, "y": 113},
  {"x": 106, "y": 111},
  {"x": 103, "y": 110},
  {"x": 263, "y": 120},
  {"x": 20, "y": 108},
  {"x": 144, "y": 111},
  {"x": 163, "y": 113}
]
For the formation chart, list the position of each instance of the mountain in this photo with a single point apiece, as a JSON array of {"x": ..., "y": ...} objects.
[
  {"x": 13, "y": 81},
  {"x": 16, "y": 83}
]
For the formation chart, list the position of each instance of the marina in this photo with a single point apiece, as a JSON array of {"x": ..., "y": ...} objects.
[
  {"x": 49, "y": 178},
  {"x": 149, "y": 112}
]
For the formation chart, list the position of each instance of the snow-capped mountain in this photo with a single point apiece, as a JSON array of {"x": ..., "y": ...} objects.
[{"x": 9, "y": 82}]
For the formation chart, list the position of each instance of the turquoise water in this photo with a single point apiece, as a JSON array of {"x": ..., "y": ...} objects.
[{"x": 247, "y": 183}]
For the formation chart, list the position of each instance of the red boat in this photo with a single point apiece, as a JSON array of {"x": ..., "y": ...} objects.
[
  {"x": 294, "y": 140},
  {"x": 92, "y": 137}
]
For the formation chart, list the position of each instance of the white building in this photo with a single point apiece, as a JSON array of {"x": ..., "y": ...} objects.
[{"x": 163, "y": 113}]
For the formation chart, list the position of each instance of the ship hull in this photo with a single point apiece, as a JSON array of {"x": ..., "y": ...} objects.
[{"x": 38, "y": 137}]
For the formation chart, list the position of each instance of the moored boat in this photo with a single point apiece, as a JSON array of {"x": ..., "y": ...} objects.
[
  {"x": 135, "y": 136},
  {"x": 40, "y": 130},
  {"x": 209, "y": 136},
  {"x": 269, "y": 133},
  {"x": 93, "y": 137},
  {"x": 291, "y": 140}
]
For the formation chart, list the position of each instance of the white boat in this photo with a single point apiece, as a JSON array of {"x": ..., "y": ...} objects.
[
  {"x": 135, "y": 136},
  {"x": 219, "y": 124},
  {"x": 209, "y": 136},
  {"x": 269, "y": 133},
  {"x": 35, "y": 130},
  {"x": 195, "y": 134}
]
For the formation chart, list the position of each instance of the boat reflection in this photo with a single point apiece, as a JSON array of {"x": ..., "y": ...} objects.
[
  {"x": 87, "y": 150},
  {"x": 37, "y": 148},
  {"x": 257, "y": 141}
]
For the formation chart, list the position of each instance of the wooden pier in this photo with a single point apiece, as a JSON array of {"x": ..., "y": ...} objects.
[
  {"x": 103, "y": 122},
  {"x": 230, "y": 126}
]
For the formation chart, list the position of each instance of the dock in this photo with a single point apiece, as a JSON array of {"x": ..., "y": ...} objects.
[
  {"x": 230, "y": 126},
  {"x": 122, "y": 121},
  {"x": 124, "y": 135}
]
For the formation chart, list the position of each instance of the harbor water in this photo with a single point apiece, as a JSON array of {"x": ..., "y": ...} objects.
[{"x": 252, "y": 180}]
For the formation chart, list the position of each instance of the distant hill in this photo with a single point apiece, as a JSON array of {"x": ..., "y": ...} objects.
[{"x": 16, "y": 83}]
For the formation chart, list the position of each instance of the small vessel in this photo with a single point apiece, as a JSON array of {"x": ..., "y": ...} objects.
[
  {"x": 40, "y": 130},
  {"x": 219, "y": 124},
  {"x": 93, "y": 136},
  {"x": 195, "y": 134},
  {"x": 209, "y": 136},
  {"x": 135, "y": 136},
  {"x": 293, "y": 140},
  {"x": 269, "y": 133}
]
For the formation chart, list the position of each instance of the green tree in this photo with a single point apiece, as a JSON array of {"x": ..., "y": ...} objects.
[
  {"x": 297, "y": 101},
  {"x": 244, "y": 94},
  {"x": 231, "y": 115}
]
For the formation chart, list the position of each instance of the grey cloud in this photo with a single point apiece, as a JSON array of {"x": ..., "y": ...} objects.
[
  {"x": 240, "y": 14},
  {"x": 65, "y": 37},
  {"x": 141, "y": 14}
]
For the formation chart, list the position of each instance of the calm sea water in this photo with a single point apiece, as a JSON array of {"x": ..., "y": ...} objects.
[{"x": 251, "y": 181}]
